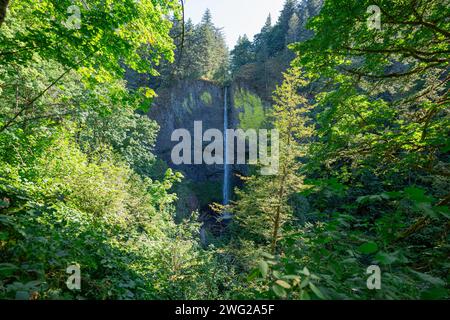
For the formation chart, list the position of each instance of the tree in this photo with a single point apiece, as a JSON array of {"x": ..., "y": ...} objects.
[
  {"x": 281, "y": 28},
  {"x": 201, "y": 53},
  {"x": 272, "y": 55},
  {"x": 294, "y": 30},
  {"x": 107, "y": 37},
  {"x": 263, "y": 207},
  {"x": 75, "y": 160},
  {"x": 376, "y": 126},
  {"x": 211, "y": 49},
  {"x": 130, "y": 135},
  {"x": 381, "y": 150},
  {"x": 261, "y": 41},
  {"x": 207, "y": 18},
  {"x": 242, "y": 54}
]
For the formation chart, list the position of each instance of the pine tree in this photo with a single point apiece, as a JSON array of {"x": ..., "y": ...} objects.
[
  {"x": 294, "y": 29},
  {"x": 242, "y": 54},
  {"x": 263, "y": 208},
  {"x": 207, "y": 18},
  {"x": 280, "y": 30},
  {"x": 261, "y": 41},
  {"x": 201, "y": 52}
]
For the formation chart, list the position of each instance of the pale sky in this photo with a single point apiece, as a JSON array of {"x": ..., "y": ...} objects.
[{"x": 236, "y": 17}]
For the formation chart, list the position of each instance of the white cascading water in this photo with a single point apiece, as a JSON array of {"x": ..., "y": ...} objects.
[{"x": 226, "y": 167}]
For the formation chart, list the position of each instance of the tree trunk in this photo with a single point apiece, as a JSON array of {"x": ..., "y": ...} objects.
[
  {"x": 3, "y": 7},
  {"x": 277, "y": 223}
]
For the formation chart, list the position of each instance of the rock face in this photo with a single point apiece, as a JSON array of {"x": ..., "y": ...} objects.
[{"x": 179, "y": 107}]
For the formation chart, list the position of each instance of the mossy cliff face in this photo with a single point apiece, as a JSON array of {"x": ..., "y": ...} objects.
[
  {"x": 249, "y": 110},
  {"x": 178, "y": 107}
]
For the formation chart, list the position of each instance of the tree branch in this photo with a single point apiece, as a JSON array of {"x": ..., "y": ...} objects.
[{"x": 32, "y": 101}]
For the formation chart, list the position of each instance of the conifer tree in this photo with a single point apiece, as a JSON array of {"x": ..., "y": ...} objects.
[
  {"x": 242, "y": 54},
  {"x": 263, "y": 208}
]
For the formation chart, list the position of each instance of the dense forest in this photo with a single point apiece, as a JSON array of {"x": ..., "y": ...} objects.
[{"x": 359, "y": 208}]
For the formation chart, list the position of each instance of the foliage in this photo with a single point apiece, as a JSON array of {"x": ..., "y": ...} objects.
[
  {"x": 206, "y": 98},
  {"x": 252, "y": 112},
  {"x": 261, "y": 63},
  {"x": 363, "y": 123},
  {"x": 109, "y": 32},
  {"x": 376, "y": 187},
  {"x": 76, "y": 161},
  {"x": 263, "y": 207},
  {"x": 130, "y": 135},
  {"x": 242, "y": 54},
  {"x": 201, "y": 53}
]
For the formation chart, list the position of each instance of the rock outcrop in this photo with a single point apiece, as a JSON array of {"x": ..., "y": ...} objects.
[{"x": 178, "y": 107}]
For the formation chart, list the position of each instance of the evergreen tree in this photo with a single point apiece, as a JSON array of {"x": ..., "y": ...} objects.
[
  {"x": 281, "y": 28},
  {"x": 207, "y": 18},
  {"x": 201, "y": 52},
  {"x": 272, "y": 56},
  {"x": 211, "y": 49},
  {"x": 262, "y": 39},
  {"x": 294, "y": 30},
  {"x": 263, "y": 207},
  {"x": 242, "y": 54}
]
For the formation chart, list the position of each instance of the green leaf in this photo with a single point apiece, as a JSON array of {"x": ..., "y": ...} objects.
[
  {"x": 393, "y": 195},
  {"x": 442, "y": 210},
  {"x": 268, "y": 255},
  {"x": 305, "y": 295},
  {"x": 430, "y": 279},
  {"x": 316, "y": 291},
  {"x": 306, "y": 272},
  {"x": 385, "y": 258},
  {"x": 6, "y": 220},
  {"x": 304, "y": 283},
  {"x": 33, "y": 284},
  {"x": 283, "y": 284},
  {"x": 276, "y": 274},
  {"x": 150, "y": 93},
  {"x": 368, "y": 248},
  {"x": 7, "y": 269},
  {"x": 263, "y": 268},
  {"x": 435, "y": 293},
  {"x": 279, "y": 291},
  {"x": 426, "y": 209},
  {"x": 291, "y": 277},
  {"x": 372, "y": 198},
  {"x": 417, "y": 194},
  {"x": 4, "y": 204},
  {"x": 4, "y": 236},
  {"x": 255, "y": 273}
]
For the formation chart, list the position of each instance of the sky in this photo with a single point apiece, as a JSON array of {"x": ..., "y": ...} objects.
[{"x": 236, "y": 17}]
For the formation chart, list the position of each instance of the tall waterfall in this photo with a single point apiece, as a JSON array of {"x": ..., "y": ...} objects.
[{"x": 226, "y": 167}]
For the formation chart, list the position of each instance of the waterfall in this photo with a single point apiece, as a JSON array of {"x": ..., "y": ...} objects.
[
  {"x": 226, "y": 167},
  {"x": 226, "y": 171}
]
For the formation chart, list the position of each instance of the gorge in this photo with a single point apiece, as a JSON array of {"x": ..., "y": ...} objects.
[{"x": 215, "y": 106}]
